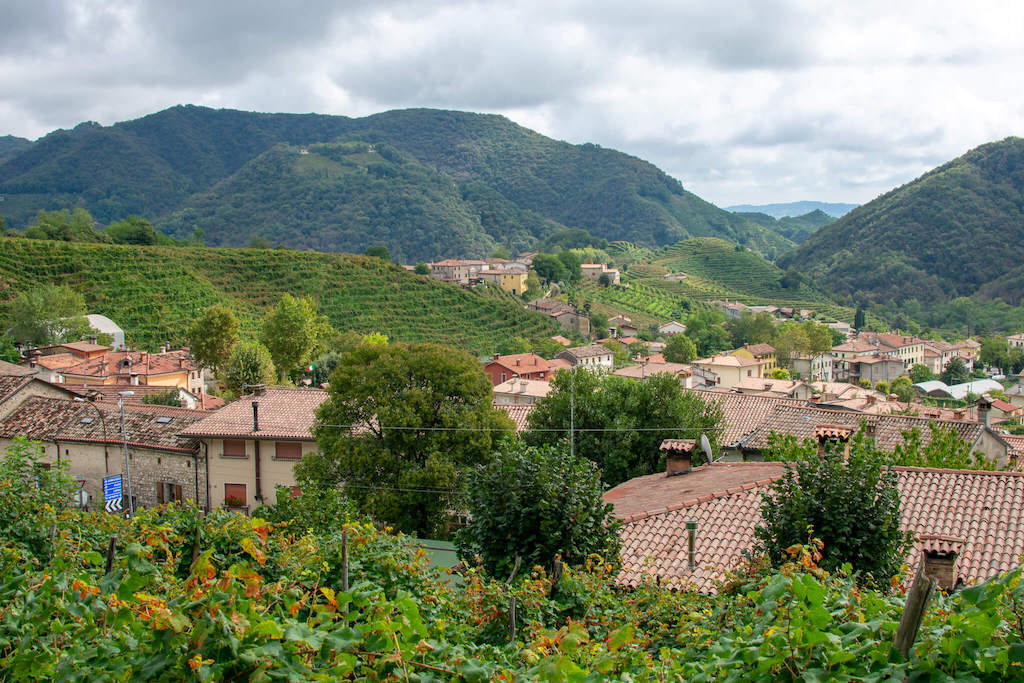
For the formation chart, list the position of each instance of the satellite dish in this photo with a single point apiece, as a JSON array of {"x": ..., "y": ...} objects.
[{"x": 706, "y": 446}]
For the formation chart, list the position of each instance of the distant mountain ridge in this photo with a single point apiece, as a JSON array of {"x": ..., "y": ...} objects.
[
  {"x": 426, "y": 183},
  {"x": 956, "y": 231},
  {"x": 834, "y": 209},
  {"x": 794, "y": 228}
]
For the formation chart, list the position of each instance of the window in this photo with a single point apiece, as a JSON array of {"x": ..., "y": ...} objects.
[
  {"x": 234, "y": 495},
  {"x": 504, "y": 377},
  {"x": 168, "y": 492},
  {"x": 163, "y": 419},
  {"x": 234, "y": 449},
  {"x": 288, "y": 450}
]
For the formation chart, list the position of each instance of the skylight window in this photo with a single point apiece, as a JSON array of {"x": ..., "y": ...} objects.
[
  {"x": 163, "y": 419},
  {"x": 87, "y": 420}
]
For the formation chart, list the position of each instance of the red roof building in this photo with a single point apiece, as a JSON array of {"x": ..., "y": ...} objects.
[{"x": 521, "y": 365}]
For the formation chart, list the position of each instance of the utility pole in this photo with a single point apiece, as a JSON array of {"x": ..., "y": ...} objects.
[
  {"x": 124, "y": 439},
  {"x": 572, "y": 410}
]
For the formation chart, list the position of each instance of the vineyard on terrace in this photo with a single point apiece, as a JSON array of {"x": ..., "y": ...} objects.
[{"x": 155, "y": 292}]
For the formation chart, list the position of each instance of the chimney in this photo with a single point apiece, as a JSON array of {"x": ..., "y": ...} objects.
[
  {"x": 984, "y": 410},
  {"x": 691, "y": 538},
  {"x": 32, "y": 362},
  {"x": 92, "y": 339},
  {"x": 517, "y": 362},
  {"x": 939, "y": 555},
  {"x": 181, "y": 362},
  {"x": 255, "y": 416},
  {"x": 678, "y": 456},
  {"x": 825, "y": 433}
]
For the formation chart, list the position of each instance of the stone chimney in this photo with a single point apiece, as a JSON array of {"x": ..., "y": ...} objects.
[
  {"x": 939, "y": 555},
  {"x": 984, "y": 409},
  {"x": 678, "y": 456},
  {"x": 839, "y": 434},
  {"x": 255, "y": 416}
]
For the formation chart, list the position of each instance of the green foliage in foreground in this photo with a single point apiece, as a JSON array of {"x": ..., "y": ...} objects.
[
  {"x": 538, "y": 504},
  {"x": 155, "y": 293},
  {"x": 223, "y": 597}
]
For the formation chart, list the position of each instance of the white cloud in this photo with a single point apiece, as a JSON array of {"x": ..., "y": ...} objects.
[{"x": 749, "y": 101}]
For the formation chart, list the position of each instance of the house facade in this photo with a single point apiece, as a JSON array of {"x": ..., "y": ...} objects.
[
  {"x": 511, "y": 281},
  {"x": 521, "y": 365},
  {"x": 251, "y": 446},
  {"x": 592, "y": 357},
  {"x": 731, "y": 370}
]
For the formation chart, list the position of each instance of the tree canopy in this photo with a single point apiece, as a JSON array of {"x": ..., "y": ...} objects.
[
  {"x": 537, "y": 503},
  {"x": 48, "y": 314},
  {"x": 679, "y": 349},
  {"x": 291, "y": 332},
  {"x": 402, "y": 424},
  {"x": 212, "y": 337},
  {"x": 621, "y": 421},
  {"x": 249, "y": 364}
]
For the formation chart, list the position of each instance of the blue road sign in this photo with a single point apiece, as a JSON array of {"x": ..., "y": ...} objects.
[{"x": 112, "y": 488}]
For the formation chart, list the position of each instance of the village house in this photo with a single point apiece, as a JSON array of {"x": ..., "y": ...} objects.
[
  {"x": 910, "y": 350},
  {"x": 592, "y": 357},
  {"x": 643, "y": 370},
  {"x": 90, "y": 364},
  {"x": 762, "y": 352},
  {"x": 594, "y": 271},
  {"x": 673, "y": 327},
  {"x": 519, "y": 391},
  {"x": 731, "y": 370},
  {"x": 621, "y": 326},
  {"x": 846, "y": 353},
  {"x": 1015, "y": 341},
  {"x": 783, "y": 388},
  {"x": 521, "y": 365},
  {"x": 511, "y": 281},
  {"x": 960, "y": 513},
  {"x": 876, "y": 369},
  {"x": 18, "y": 383},
  {"x": 164, "y": 466},
  {"x": 562, "y": 313},
  {"x": 815, "y": 368},
  {"x": 252, "y": 445},
  {"x": 452, "y": 270}
]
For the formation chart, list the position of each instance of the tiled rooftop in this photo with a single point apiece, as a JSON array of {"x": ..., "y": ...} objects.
[
  {"x": 981, "y": 508},
  {"x": 744, "y": 412},
  {"x": 523, "y": 363},
  {"x": 283, "y": 414},
  {"x": 519, "y": 414},
  {"x": 801, "y": 422}
]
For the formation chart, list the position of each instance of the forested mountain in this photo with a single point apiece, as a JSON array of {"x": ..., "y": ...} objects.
[
  {"x": 958, "y": 230},
  {"x": 10, "y": 145},
  {"x": 834, "y": 209},
  {"x": 237, "y": 175},
  {"x": 793, "y": 228}
]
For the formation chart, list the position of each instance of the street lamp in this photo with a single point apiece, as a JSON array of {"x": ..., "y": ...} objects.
[
  {"x": 124, "y": 438},
  {"x": 103, "y": 422}
]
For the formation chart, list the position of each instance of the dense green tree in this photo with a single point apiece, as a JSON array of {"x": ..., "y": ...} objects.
[
  {"x": 292, "y": 332},
  {"x": 421, "y": 414},
  {"x": 500, "y": 252},
  {"x": 65, "y": 226},
  {"x": 955, "y": 372},
  {"x": 250, "y": 364},
  {"x": 520, "y": 502},
  {"x": 212, "y": 337},
  {"x": 379, "y": 251},
  {"x": 751, "y": 329},
  {"x": 680, "y": 349},
  {"x": 705, "y": 327},
  {"x": 422, "y": 269},
  {"x": 48, "y": 314},
  {"x": 919, "y": 373},
  {"x": 850, "y": 503},
  {"x": 549, "y": 267},
  {"x": 571, "y": 262},
  {"x": 622, "y": 422},
  {"x": 604, "y": 280},
  {"x": 903, "y": 387},
  {"x": 994, "y": 352},
  {"x": 859, "y": 319},
  {"x": 132, "y": 230},
  {"x": 571, "y": 238}
]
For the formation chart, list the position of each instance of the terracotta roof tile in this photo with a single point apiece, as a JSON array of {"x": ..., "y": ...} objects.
[
  {"x": 940, "y": 507},
  {"x": 522, "y": 363},
  {"x": 519, "y": 414},
  {"x": 745, "y": 412},
  {"x": 283, "y": 414}
]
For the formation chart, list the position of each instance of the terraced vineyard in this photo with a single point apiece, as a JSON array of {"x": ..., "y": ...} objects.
[
  {"x": 715, "y": 270},
  {"x": 155, "y": 292}
]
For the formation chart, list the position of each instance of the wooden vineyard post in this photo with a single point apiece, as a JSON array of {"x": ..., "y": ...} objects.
[
  {"x": 344, "y": 564},
  {"x": 913, "y": 611},
  {"x": 111, "y": 547}
]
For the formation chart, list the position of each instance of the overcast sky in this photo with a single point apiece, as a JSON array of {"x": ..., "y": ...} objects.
[{"x": 741, "y": 101}]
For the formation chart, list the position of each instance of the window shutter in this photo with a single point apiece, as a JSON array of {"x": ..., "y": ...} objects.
[
  {"x": 288, "y": 450},
  {"x": 160, "y": 493},
  {"x": 177, "y": 492}
]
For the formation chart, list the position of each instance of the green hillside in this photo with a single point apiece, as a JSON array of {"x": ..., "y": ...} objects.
[
  {"x": 714, "y": 269},
  {"x": 154, "y": 292},
  {"x": 189, "y": 166},
  {"x": 350, "y": 194},
  {"x": 945, "y": 235},
  {"x": 9, "y": 145},
  {"x": 793, "y": 228}
]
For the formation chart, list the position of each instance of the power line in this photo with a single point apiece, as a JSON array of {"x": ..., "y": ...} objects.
[{"x": 512, "y": 429}]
